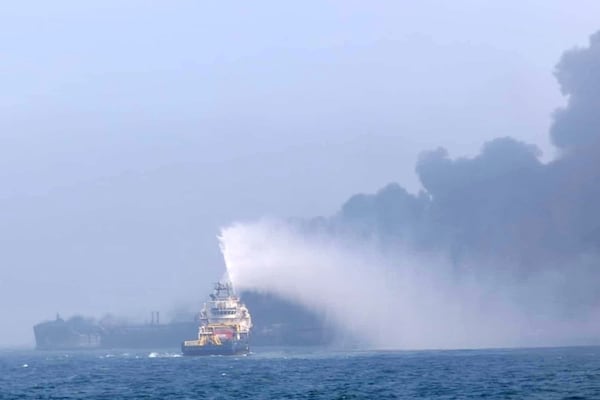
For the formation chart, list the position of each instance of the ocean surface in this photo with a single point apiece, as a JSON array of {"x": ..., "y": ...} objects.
[{"x": 552, "y": 373}]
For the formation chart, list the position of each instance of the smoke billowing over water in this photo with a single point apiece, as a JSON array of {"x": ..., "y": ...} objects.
[
  {"x": 401, "y": 299},
  {"x": 497, "y": 249}
]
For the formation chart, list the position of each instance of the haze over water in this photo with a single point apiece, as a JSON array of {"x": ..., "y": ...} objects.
[
  {"x": 422, "y": 177},
  {"x": 124, "y": 151}
]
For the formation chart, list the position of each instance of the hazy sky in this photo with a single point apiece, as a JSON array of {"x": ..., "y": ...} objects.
[{"x": 131, "y": 131}]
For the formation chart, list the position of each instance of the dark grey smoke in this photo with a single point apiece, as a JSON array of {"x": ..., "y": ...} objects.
[
  {"x": 522, "y": 238},
  {"x": 504, "y": 208},
  {"x": 578, "y": 72}
]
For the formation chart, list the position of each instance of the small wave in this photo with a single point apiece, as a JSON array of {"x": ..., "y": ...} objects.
[
  {"x": 155, "y": 354},
  {"x": 25, "y": 365}
]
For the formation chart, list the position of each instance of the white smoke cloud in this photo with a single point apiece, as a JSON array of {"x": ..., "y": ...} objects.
[{"x": 415, "y": 301}]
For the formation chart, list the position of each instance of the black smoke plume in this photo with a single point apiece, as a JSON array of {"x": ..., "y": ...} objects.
[
  {"x": 499, "y": 249},
  {"x": 504, "y": 204}
]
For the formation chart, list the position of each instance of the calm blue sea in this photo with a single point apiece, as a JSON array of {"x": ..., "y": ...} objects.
[{"x": 556, "y": 373}]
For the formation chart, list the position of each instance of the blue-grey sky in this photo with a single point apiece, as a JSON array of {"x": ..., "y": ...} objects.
[{"x": 131, "y": 131}]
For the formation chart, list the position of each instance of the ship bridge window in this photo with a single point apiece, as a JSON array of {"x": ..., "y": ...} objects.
[{"x": 224, "y": 312}]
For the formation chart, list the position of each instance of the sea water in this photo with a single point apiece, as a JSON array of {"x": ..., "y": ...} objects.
[{"x": 267, "y": 373}]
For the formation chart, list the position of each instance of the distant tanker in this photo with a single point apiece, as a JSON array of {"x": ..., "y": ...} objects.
[
  {"x": 79, "y": 333},
  {"x": 274, "y": 320}
]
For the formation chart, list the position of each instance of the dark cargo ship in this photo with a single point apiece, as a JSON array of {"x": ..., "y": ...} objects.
[
  {"x": 276, "y": 322},
  {"x": 225, "y": 325},
  {"x": 76, "y": 333},
  {"x": 79, "y": 333}
]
